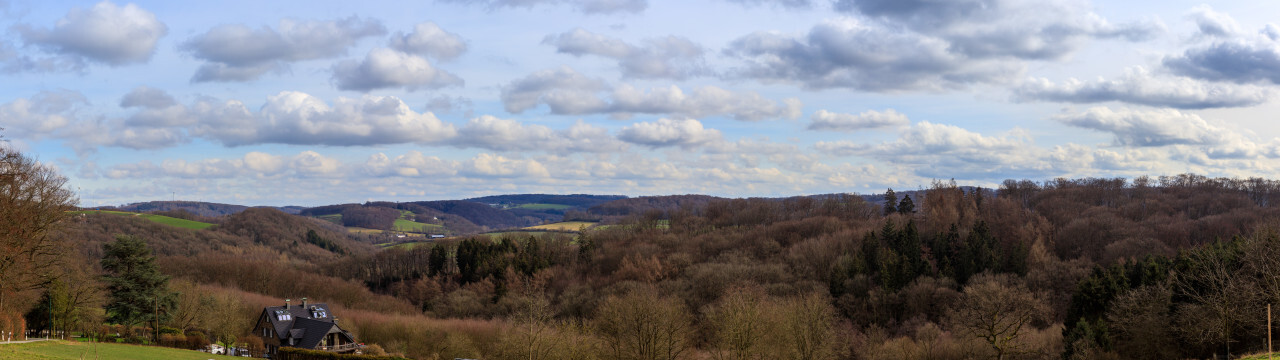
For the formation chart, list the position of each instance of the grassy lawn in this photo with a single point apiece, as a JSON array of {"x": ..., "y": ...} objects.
[
  {"x": 182, "y": 223},
  {"x": 563, "y": 226},
  {"x": 57, "y": 349},
  {"x": 1260, "y": 356},
  {"x": 544, "y": 206}
]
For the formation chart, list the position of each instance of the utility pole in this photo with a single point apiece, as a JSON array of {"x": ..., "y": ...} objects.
[{"x": 1268, "y": 331}]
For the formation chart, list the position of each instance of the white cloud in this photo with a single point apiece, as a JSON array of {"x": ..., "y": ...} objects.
[
  {"x": 870, "y": 119},
  {"x": 1212, "y": 23},
  {"x": 1139, "y": 86},
  {"x": 1168, "y": 127},
  {"x": 240, "y": 53},
  {"x": 264, "y": 163},
  {"x": 567, "y": 92},
  {"x": 311, "y": 163},
  {"x": 106, "y": 33},
  {"x": 298, "y": 118},
  {"x": 1039, "y": 29},
  {"x": 411, "y": 164},
  {"x": 385, "y": 68},
  {"x": 147, "y": 97},
  {"x": 497, "y": 134},
  {"x": 428, "y": 39},
  {"x": 685, "y": 133},
  {"x": 850, "y": 54},
  {"x": 489, "y": 165}
]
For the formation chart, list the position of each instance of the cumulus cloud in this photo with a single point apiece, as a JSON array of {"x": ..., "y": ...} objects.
[
  {"x": 1236, "y": 60},
  {"x": 497, "y": 134},
  {"x": 684, "y": 133},
  {"x": 428, "y": 39},
  {"x": 1159, "y": 127},
  {"x": 298, "y": 118},
  {"x": 240, "y": 53},
  {"x": 254, "y": 164},
  {"x": 572, "y": 91},
  {"x": 585, "y": 6},
  {"x": 1212, "y": 23},
  {"x": 1139, "y": 86},
  {"x": 567, "y": 92},
  {"x": 63, "y": 115},
  {"x": 106, "y": 33},
  {"x": 669, "y": 57},
  {"x": 42, "y": 114},
  {"x": 386, "y": 68},
  {"x": 147, "y": 97},
  {"x": 870, "y": 119},
  {"x": 411, "y": 164},
  {"x": 489, "y": 165},
  {"x": 850, "y": 54},
  {"x": 1002, "y": 28},
  {"x": 941, "y": 150}
]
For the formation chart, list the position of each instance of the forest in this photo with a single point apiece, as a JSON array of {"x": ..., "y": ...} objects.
[{"x": 1095, "y": 268}]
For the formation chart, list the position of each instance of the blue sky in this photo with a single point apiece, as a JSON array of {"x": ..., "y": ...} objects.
[{"x": 313, "y": 102}]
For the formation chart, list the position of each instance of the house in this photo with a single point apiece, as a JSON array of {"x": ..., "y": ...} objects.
[{"x": 309, "y": 326}]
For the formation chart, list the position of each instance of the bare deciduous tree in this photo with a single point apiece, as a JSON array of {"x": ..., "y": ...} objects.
[
  {"x": 32, "y": 199},
  {"x": 643, "y": 325},
  {"x": 999, "y": 310}
]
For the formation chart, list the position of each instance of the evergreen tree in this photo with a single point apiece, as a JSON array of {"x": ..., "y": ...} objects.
[
  {"x": 139, "y": 292},
  {"x": 890, "y": 202},
  {"x": 906, "y": 206},
  {"x": 436, "y": 260}
]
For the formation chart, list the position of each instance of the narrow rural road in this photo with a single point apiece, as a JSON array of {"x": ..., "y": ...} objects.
[{"x": 23, "y": 341}]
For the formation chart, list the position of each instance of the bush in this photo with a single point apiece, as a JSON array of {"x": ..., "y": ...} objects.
[{"x": 289, "y": 353}]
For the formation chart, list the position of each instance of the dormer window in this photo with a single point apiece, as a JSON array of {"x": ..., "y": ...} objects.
[{"x": 282, "y": 315}]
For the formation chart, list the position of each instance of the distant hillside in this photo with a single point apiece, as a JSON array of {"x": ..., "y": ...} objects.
[
  {"x": 199, "y": 208},
  {"x": 640, "y": 205},
  {"x": 479, "y": 214},
  {"x": 575, "y": 200}
]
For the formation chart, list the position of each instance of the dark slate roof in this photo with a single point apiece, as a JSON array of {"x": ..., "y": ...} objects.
[
  {"x": 313, "y": 332},
  {"x": 306, "y": 325}
]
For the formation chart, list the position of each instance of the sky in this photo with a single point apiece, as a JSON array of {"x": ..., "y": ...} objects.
[{"x": 323, "y": 102}]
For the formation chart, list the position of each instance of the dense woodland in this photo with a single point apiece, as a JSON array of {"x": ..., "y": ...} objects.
[{"x": 1147, "y": 268}]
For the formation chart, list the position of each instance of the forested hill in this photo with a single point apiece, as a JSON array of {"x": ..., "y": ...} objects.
[
  {"x": 575, "y": 200},
  {"x": 197, "y": 208},
  {"x": 1149, "y": 268}
]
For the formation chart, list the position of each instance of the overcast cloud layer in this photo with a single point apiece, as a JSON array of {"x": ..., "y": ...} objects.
[{"x": 314, "y": 103}]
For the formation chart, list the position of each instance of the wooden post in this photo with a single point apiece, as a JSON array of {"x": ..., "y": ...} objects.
[{"x": 1268, "y": 331}]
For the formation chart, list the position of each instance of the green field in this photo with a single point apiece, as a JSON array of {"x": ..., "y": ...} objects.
[
  {"x": 56, "y": 349},
  {"x": 333, "y": 218},
  {"x": 414, "y": 226},
  {"x": 563, "y": 226},
  {"x": 182, "y": 223},
  {"x": 538, "y": 206}
]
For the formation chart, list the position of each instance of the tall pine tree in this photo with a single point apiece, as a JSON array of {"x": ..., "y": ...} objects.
[
  {"x": 139, "y": 292},
  {"x": 906, "y": 206},
  {"x": 890, "y": 202}
]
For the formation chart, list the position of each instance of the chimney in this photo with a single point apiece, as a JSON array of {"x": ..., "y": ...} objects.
[
  {"x": 286, "y": 304},
  {"x": 304, "y": 303}
]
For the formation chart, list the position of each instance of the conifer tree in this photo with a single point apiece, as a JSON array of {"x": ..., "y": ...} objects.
[
  {"x": 890, "y": 202},
  {"x": 138, "y": 290},
  {"x": 906, "y": 206}
]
